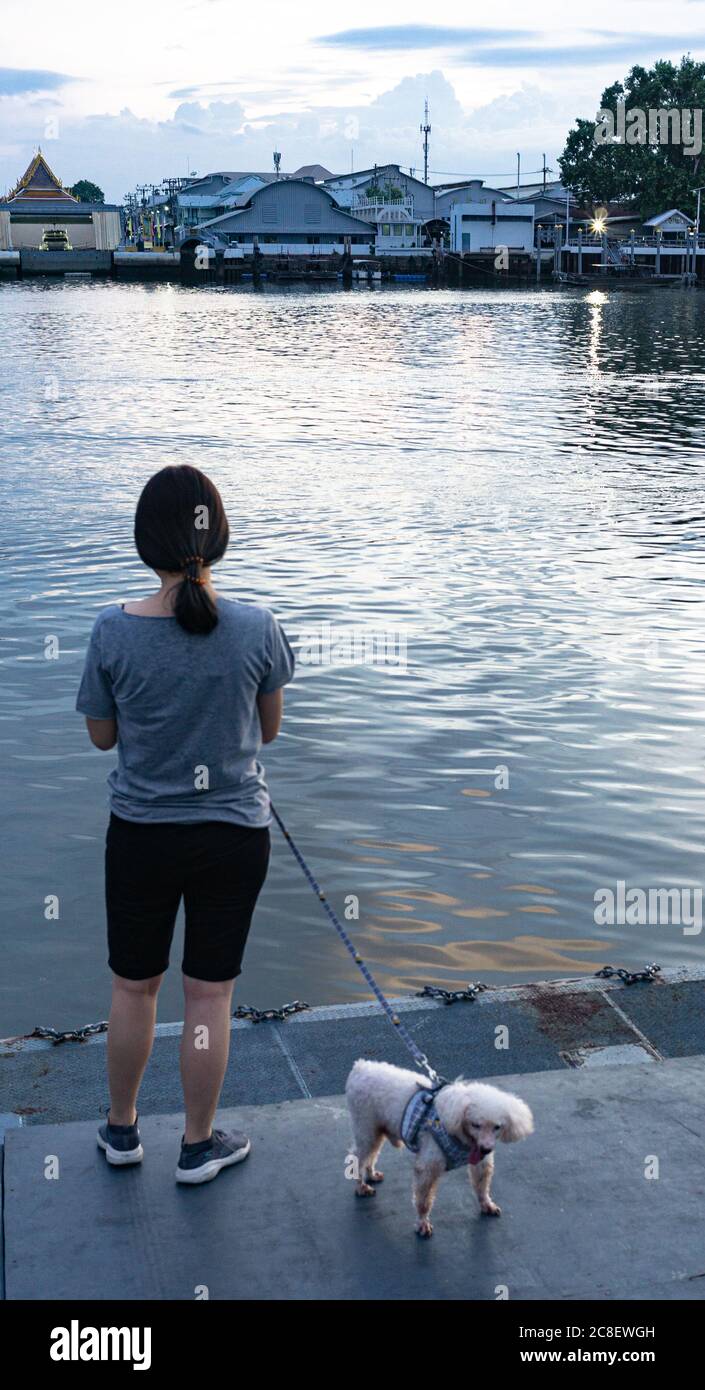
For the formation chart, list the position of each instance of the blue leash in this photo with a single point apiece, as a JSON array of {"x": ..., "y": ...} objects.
[{"x": 419, "y": 1057}]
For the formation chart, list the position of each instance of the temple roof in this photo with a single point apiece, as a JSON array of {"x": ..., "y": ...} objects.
[{"x": 39, "y": 183}]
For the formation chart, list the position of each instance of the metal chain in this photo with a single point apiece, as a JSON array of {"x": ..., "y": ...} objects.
[
  {"x": 70, "y": 1035},
  {"x": 628, "y": 977},
  {"x": 430, "y": 991},
  {"x": 269, "y": 1015},
  {"x": 248, "y": 1011},
  {"x": 450, "y": 996},
  {"x": 419, "y": 1057},
  {"x": 56, "y": 1036}
]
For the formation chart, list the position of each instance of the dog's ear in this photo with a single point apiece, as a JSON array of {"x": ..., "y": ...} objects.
[{"x": 519, "y": 1121}]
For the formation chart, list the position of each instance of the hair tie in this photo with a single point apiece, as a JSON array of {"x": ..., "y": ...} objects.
[{"x": 194, "y": 560}]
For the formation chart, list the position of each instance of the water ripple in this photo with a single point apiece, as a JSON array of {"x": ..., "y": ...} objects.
[{"x": 513, "y": 481}]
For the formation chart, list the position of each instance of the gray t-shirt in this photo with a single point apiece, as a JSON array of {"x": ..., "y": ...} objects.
[{"x": 186, "y": 710}]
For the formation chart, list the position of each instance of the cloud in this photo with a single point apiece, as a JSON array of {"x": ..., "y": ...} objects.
[
  {"x": 479, "y": 47},
  {"x": 220, "y": 117},
  {"x": 406, "y": 100},
  {"x": 19, "y": 81},
  {"x": 201, "y": 90},
  {"x": 618, "y": 50},
  {"x": 423, "y": 36},
  {"x": 120, "y": 151}
]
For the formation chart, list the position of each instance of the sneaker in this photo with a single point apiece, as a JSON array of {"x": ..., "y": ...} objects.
[
  {"x": 203, "y": 1161},
  {"x": 120, "y": 1143}
]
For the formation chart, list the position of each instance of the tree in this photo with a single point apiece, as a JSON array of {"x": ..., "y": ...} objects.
[
  {"x": 87, "y": 192},
  {"x": 654, "y": 176}
]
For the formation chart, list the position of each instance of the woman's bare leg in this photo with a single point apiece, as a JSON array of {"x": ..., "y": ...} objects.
[
  {"x": 205, "y": 1044},
  {"x": 133, "y": 1015}
]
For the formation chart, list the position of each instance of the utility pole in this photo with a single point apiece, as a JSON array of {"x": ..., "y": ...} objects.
[
  {"x": 277, "y": 162},
  {"x": 518, "y": 172},
  {"x": 544, "y": 173},
  {"x": 696, "y": 238},
  {"x": 425, "y": 131},
  {"x": 171, "y": 188}
]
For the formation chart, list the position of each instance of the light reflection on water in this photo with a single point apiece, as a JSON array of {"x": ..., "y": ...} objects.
[{"x": 513, "y": 480}]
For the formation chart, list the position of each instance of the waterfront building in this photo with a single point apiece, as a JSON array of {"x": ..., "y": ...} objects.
[
  {"x": 541, "y": 188},
  {"x": 5, "y": 234},
  {"x": 469, "y": 191},
  {"x": 671, "y": 226},
  {"x": 398, "y": 205},
  {"x": 179, "y": 206},
  {"x": 547, "y": 198},
  {"x": 291, "y": 217},
  {"x": 667, "y": 244},
  {"x": 40, "y": 214},
  {"x": 483, "y": 226},
  {"x": 203, "y": 199},
  {"x": 317, "y": 172}
]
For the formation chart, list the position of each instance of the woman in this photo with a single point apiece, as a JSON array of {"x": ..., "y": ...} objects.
[{"x": 189, "y": 685}]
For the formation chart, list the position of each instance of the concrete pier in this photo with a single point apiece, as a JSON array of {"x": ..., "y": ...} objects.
[
  {"x": 146, "y": 265},
  {"x": 65, "y": 262},
  {"x": 604, "y": 1201},
  {"x": 9, "y": 263},
  {"x": 581, "y": 1217}
]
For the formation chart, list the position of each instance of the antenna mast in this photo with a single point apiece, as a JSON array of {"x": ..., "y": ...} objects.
[{"x": 425, "y": 131}]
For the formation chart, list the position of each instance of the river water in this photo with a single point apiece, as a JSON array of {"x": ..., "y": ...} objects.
[{"x": 505, "y": 487}]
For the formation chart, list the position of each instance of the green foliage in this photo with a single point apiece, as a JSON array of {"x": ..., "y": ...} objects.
[
  {"x": 389, "y": 192},
  {"x": 87, "y": 192},
  {"x": 652, "y": 176}
]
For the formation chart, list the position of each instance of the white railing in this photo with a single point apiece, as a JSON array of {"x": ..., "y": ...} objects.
[
  {"x": 301, "y": 248},
  {"x": 679, "y": 243},
  {"x": 381, "y": 201}
]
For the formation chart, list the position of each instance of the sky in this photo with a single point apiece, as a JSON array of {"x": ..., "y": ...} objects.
[{"x": 132, "y": 94}]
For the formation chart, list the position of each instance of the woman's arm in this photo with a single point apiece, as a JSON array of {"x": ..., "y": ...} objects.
[
  {"x": 271, "y": 708},
  {"x": 102, "y": 732}
]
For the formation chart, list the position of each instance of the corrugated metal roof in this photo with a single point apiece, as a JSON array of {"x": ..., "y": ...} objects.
[
  {"x": 54, "y": 207},
  {"x": 291, "y": 205}
]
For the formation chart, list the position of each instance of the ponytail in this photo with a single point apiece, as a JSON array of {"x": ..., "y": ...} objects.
[{"x": 181, "y": 527}]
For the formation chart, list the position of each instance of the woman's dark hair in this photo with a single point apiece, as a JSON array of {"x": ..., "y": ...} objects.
[{"x": 180, "y": 525}]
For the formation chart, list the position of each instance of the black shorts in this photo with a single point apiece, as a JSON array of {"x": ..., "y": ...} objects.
[{"x": 216, "y": 867}]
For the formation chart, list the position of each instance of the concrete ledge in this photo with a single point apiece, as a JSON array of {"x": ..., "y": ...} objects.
[
  {"x": 132, "y": 259},
  {"x": 580, "y": 1217},
  {"x": 551, "y": 1026},
  {"x": 411, "y": 1003},
  {"x": 34, "y": 262}
]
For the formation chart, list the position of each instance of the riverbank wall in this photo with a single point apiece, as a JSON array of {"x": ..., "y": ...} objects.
[
  {"x": 552, "y": 1025},
  {"x": 214, "y": 267}
]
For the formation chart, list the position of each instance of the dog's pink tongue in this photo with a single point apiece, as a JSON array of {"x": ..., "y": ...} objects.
[{"x": 474, "y": 1154}]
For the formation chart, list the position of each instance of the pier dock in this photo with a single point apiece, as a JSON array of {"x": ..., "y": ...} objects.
[
  {"x": 413, "y": 267},
  {"x": 605, "y": 1201}
]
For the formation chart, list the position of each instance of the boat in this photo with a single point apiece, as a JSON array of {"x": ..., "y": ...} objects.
[
  {"x": 603, "y": 280},
  {"x": 55, "y": 239}
]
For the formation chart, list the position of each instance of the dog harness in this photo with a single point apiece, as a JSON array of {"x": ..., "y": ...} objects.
[{"x": 421, "y": 1115}]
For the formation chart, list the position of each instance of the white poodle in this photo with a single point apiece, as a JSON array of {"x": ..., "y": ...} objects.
[{"x": 458, "y": 1124}]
